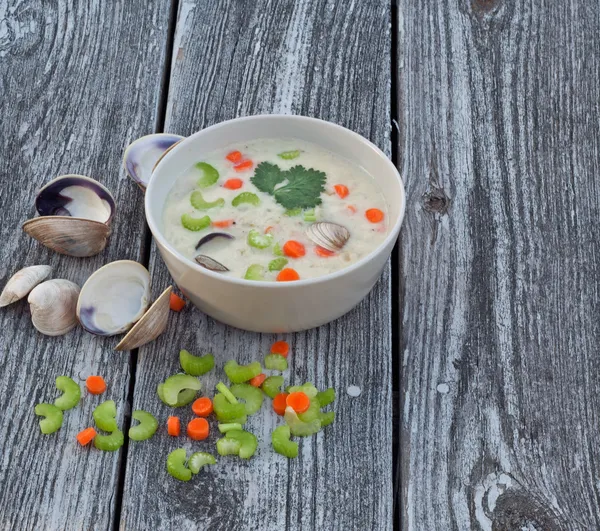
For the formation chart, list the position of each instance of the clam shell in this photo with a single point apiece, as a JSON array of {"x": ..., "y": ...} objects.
[
  {"x": 143, "y": 154},
  {"x": 22, "y": 282},
  {"x": 53, "y": 304},
  {"x": 150, "y": 326},
  {"x": 210, "y": 263},
  {"x": 330, "y": 236},
  {"x": 212, "y": 236},
  {"x": 114, "y": 298}
]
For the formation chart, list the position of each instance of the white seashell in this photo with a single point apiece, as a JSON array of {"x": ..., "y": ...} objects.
[
  {"x": 53, "y": 304},
  {"x": 22, "y": 282},
  {"x": 330, "y": 236}
]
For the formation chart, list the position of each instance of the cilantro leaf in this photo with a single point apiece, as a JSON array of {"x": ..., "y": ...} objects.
[
  {"x": 267, "y": 176},
  {"x": 303, "y": 188}
]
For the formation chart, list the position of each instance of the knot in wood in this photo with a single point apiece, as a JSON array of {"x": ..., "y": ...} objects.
[{"x": 436, "y": 201}]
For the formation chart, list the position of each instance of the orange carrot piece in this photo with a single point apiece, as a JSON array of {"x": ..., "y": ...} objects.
[
  {"x": 233, "y": 184},
  {"x": 268, "y": 229},
  {"x": 280, "y": 347},
  {"x": 374, "y": 215},
  {"x": 288, "y": 274},
  {"x": 234, "y": 156},
  {"x": 351, "y": 208},
  {"x": 223, "y": 224},
  {"x": 203, "y": 406},
  {"x": 86, "y": 436},
  {"x": 198, "y": 429},
  {"x": 95, "y": 385},
  {"x": 174, "y": 426},
  {"x": 279, "y": 403},
  {"x": 293, "y": 249},
  {"x": 298, "y": 401},
  {"x": 258, "y": 380},
  {"x": 322, "y": 252},
  {"x": 243, "y": 166},
  {"x": 176, "y": 303},
  {"x": 341, "y": 190}
]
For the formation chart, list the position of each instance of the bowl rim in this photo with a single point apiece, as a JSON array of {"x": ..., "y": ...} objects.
[{"x": 390, "y": 238}]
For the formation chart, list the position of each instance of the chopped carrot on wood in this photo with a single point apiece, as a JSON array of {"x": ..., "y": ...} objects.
[
  {"x": 280, "y": 347},
  {"x": 298, "y": 401},
  {"x": 341, "y": 190},
  {"x": 198, "y": 429},
  {"x": 233, "y": 184},
  {"x": 374, "y": 215},
  {"x": 279, "y": 403},
  {"x": 86, "y": 436},
  {"x": 234, "y": 156},
  {"x": 203, "y": 406},
  {"x": 174, "y": 426},
  {"x": 288, "y": 274},
  {"x": 176, "y": 303},
  {"x": 243, "y": 166},
  {"x": 95, "y": 385},
  {"x": 258, "y": 380},
  {"x": 294, "y": 249}
]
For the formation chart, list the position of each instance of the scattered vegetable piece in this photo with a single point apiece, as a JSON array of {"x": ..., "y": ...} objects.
[
  {"x": 277, "y": 264},
  {"x": 322, "y": 252},
  {"x": 174, "y": 384},
  {"x": 299, "y": 428},
  {"x": 272, "y": 386},
  {"x": 294, "y": 249},
  {"x": 258, "y": 240},
  {"x": 280, "y": 347},
  {"x": 185, "y": 396},
  {"x": 292, "y": 212},
  {"x": 195, "y": 224},
  {"x": 200, "y": 459},
  {"x": 223, "y": 224},
  {"x": 196, "y": 365},
  {"x": 308, "y": 389},
  {"x": 279, "y": 403},
  {"x": 226, "y": 393},
  {"x": 198, "y": 429},
  {"x": 95, "y": 385},
  {"x": 248, "y": 442},
  {"x": 233, "y": 184},
  {"x": 210, "y": 175},
  {"x": 341, "y": 190},
  {"x": 277, "y": 251},
  {"x": 71, "y": 393},
  {"x": 176, "y": 465},
  {"x": 269, "y": 229},
  {"x": 352, "y": 209},
  {"x": 280, "y": 439},
  {"x": 257, "y": 381},
  {"x": 252, "y": 397},
  {"x": 199, "y": 203},
  {"x": 310, "y": 215},
  {"x": 86, "y": 436},
  {"x": 173, "y": 426},
  {"x": 228, "y": 446},
  {"x": 326, "y": 397},
  {"x": 234, "y": 156},
  {"x": 105, "y": 416},
  {"x": 298, "y": 401},
  {"x": 289, "y": 155},
  {"x": 275, "y": 362},
  {"x": 176, "y": 303},
  {"x": 202, "y": 407},
  {"x": 243, "y": 166},
  {"x": 228, "y": 412},
  {"x": 224, "y": 428},
  {"x": 313, "y": 412},
  {"x": 245, "y": 197},
  {"x": 146, "y": 428},
  {"x": 53, "y": 418},
  {"x": 327, "y": 418},
  {"x": 287, "y": 275},
  {"x": 255, "y": 272},
  {"x": 109, "y": 443},
  {"x": 374, "y": 215},
  {"x": 241, "y": 373}
]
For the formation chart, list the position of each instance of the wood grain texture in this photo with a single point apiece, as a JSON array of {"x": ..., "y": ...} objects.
[
  {"x": 500, "y": 264},
  {"x": 324, "y": 59},
  {"x": 71, "y": 98}
]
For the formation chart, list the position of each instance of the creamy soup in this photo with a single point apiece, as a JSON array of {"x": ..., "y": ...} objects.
[{"x": 265, "y": 194}]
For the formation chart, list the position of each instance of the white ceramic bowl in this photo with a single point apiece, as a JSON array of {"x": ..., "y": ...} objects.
[{"x": 275, "y": 306}]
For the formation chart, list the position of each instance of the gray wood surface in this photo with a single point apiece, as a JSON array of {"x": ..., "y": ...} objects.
[
  {"x": 324, "y": 59},
  {"x": 500, "y": 264},
  {"x": 71, "y": 98}
]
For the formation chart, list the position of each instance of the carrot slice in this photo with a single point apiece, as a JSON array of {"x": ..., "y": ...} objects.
[
  {"x": 174, "y": 426},
  {"x": 288, "y": 274},
  {"x": 268, "y": 229},
  {"x": 95, "y": 385},
  {"x": 351, "y": 208},
  {"x": 223, "y": 224},
  {"x": 279, "y": 403},
  {"x": 198, "y": 429},
  {"x": 243, "y": 166},
  {"x": 234, "y": 156},
  {"x": 258, "y": 380},
  {"x": 341, "y": 190},
  {"x": 203, "y": 406},
  {"x": 374, "y": 215},
  {"x": 294, "y": 249},
  {"x": 86, "y": 436},
  {"x": 322, "y": 252},
  {"x": 280, "y": 347},
  {"x": 176, "y": 303},
  {"x": 233, "y": 184},
  {"x": 298, "y": 401}
]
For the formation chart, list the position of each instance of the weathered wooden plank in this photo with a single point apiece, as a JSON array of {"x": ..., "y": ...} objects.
[
  {"x": 78, "y": 80},
  {"x": 324, "y": 59},
  {"x": 500, "y": 264}
]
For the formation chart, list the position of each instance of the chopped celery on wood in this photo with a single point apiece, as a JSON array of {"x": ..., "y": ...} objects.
[
  {"x": 252, "y": 397},
  {"x": 146, "y": 428},
  {"x": 109, "y": 443},
  {"x": 272, "y": 386},
  {"x": 280, "y": 439},
  {"x": 53, "y": 418},
  {"x": 275, "y": 362},
  {"x": 200, "y": 459},
  {"x": 196, "y": 365},
  {"x": 71, "y": 393},
  {"x": 174, "y": 384},
  {"x": 176, "y": 465},
  {"x": 241, "y": 373},
  {"x": 105, "y": 416}
]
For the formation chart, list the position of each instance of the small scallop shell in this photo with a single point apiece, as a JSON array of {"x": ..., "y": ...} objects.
[
  {"x": 330, "y": 236},
  {"x": 53, "y": 306},
  {"x": 22, "y": 282},
  {"x": 151, "y": 325},
  {"x": 210, "y": 263}
]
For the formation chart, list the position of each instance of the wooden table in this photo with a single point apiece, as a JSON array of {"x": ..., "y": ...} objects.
[{"x": 477, "y": 352}]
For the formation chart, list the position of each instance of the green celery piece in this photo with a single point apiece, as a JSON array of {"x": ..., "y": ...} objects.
[
  {"x": 275, "y": 362},
  {"x": 299, "y": 428},
  {"x": 327, "y": 418},
  {"x": 185, "y": 396},
  {"x": 53, "y": 418},
  {"x": 105, "y": 416},
  {"x": 71, "y": 393},
  {"x": 195, "y": 224},
  {"x": 277, "y": 250},
  {"x": 258, "y": 240},
  {"x": 222, "y": 388},
  {"x": 292, "y": 212},
  {"x": 326, "y": 397},
  {"x": 146, "y": 428},
  {"x": 272, "y": 386},
  {"x": 228, "y": 446},
  {"x": 224, "y": 428},
  {"x": 308, "y": 389},
  {"x": 280, "y": 439},
  {"x": 226, "y": 411},
  {"x": 247, "y": 440},
  {"x": 200, "y": 459},
  {"x": 242, "y": 419},
  {"x": 313, "y": 412},
  {"x": 241, "y": 373},
  {"x": 252, "y": 396},
  {"x": 245, "y": 197},
  {"x": 199, "y": 203},
  {"x": 289, "y": 155},
  {"x": 109, "y": 443},
  {"x": 210, "y": 175},
  {"x": 174, "y": 384},
  {"x": 255, "y": 272},
  {"x": 176, "y": 465},
  {"x": 196, "y": 365},
  {"x": 277, "y": 264},
  {"x": 310, "y": 215}
]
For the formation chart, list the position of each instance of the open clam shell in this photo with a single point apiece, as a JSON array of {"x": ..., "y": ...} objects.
[
  {"x": 22, "y": 282},
  {"x": 53, "y": 306},
  {"x": 330, "y": 236},
  {"x": 114, "y": 298},
  {"x": 143, "y": 154},
  {"x": 151, "y": 325}
]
